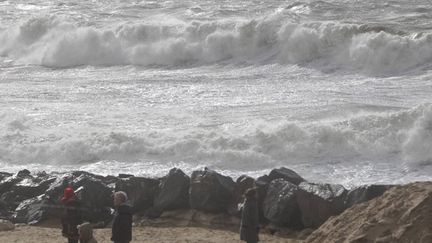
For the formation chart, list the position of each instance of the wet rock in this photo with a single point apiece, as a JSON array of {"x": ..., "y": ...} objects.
[
  {"x": 123, "y": 176},
  {"x": 22, "y": 191},
  {"x": 34, "y": 210},
  {"x": 141, "y": 192},
  {"x": 4, "y": 175},
  {"x": 286, "y": 174},
  {"x": 318, "y": 201},
  {"x": 243, "y": 183},
  {"x": 96, "y": 198},
  {"x": 23, "y": 173},
  {"x": 173, "y": 191},
  {"x": 365, "y": 193},
  {"x": 211, "y": 192},
  {"x": 262, "y": 188},
  {"x": 280, "y": 204},
  {"x": 264, "y": 179}
]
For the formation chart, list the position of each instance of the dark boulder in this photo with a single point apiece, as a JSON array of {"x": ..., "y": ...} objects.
[
  {"x": 21, "y": 186},
  {"x": 173, "y": 191},
  {"x": 94, "y": 195},
  {"x": 211, "y": 192},
  {"x": 35, "y": 210},
  {"x": 286, "y": 174},
  {"x": 5, "y": 213},
  {"x": 365, "y": 193},
  {"x": 25, "y": 189},
  {"x": 96, "y": 198},
  {"x": 4, "y": 175},
  {"x": 141, "y": 192},
  {"x": 24, "y": 173},
  {"x": 243, "y": 183},
  {"x": 264, "y": 179},
  {"x": 280, "y": 205},
  {"x": 318, "y": 201},
  {"x": 262, "y": 188}
]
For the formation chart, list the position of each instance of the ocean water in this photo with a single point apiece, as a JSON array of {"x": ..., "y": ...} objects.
[{"x": 338, "y": 90}]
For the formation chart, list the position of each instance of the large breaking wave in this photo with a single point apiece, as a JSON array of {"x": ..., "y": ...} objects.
[
  {"x": 56, "y": 42},
  {"x": 391, "y": 137}
]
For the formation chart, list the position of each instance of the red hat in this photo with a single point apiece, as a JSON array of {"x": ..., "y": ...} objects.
[{"x": 68, "y": 194}]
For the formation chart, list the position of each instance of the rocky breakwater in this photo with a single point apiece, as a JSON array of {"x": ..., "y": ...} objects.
[{"x": 285, "y": 199}]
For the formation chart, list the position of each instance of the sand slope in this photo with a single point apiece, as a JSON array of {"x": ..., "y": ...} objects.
[{"x": 402, "y": 214}]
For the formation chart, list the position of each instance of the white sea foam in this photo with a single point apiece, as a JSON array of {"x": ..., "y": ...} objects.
[
  {"x": 55, "y": 42},
  {"x": 404, "y": 136}
]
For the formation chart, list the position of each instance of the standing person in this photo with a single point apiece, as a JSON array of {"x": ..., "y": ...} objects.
[
  {"x": 249, "y": 226},
  {"x": 122, "y": 225},
  {"x": 71, "y": 217}
]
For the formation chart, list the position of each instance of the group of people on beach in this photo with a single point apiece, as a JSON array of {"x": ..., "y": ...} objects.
[{"x": 75, "y": 230}]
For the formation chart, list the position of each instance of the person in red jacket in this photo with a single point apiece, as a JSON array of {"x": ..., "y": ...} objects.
[
  {"x": 71, "y": 217},
  {"x": 122, "y": 225}
]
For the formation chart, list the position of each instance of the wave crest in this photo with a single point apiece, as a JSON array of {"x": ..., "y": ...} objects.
[{"x": 55, "y": 42}]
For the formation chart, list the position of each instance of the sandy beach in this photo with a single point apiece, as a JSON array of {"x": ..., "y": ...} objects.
[{"x": 32, "y": 234}]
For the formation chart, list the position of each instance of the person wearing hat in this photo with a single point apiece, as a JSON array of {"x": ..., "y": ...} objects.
[
  {"x": 249, "y": 226},
  {"x": 71, "y": 217}
]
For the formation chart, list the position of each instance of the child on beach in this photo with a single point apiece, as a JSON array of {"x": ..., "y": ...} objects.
[{"x": 85, "y": 231}]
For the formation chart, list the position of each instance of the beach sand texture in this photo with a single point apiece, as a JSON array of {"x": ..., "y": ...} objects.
[{"x": 33, "y": 234}]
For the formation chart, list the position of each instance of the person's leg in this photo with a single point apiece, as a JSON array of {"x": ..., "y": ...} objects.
[{"x": 72, "y": 241}]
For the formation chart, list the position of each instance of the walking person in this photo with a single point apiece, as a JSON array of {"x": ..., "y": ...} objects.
[
  {"x": 71, "y": 217},
  {"x": 249, "y": 226},
  {"x": 122, "y": 225}
]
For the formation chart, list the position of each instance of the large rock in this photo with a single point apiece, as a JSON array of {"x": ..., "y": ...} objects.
[
  {"x": 94, "y": 195},
  {"x": 5, "y": 213},
  {"x": 243, "y": 184},
  {"x": 280, "y": 205},
  {"x": 211, "y": 192},
  {"x": 96, "y": 198},
  {"x": 8, "y": 181},
  {"x": 4, "y": 175},
  {"x": 286, "y": 174},
  {"x": 365, "y": 193},
  {"x": 35, "y": 210},
  {"x": 173, "y": 191},
  {"x": 26, "y": 188},
  {"x": 318, "y": 202},
  {"x": 401, "y": 214},
  {"x": 141, "y": 192}
]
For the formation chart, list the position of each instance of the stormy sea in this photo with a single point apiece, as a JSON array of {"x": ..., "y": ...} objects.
[{"x": 338, "y": 90}]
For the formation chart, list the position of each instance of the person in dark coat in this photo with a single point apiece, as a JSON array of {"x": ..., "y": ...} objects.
[
  {"x": 249, "y": 226},
  {"x": 71, "y": 217},
  {"x": 122, "y": 225}
]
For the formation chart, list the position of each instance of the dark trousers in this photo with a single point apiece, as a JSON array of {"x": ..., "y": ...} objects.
[
  {"x": 121, "y": 241},
  {"x": 74, "y": 241}
]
